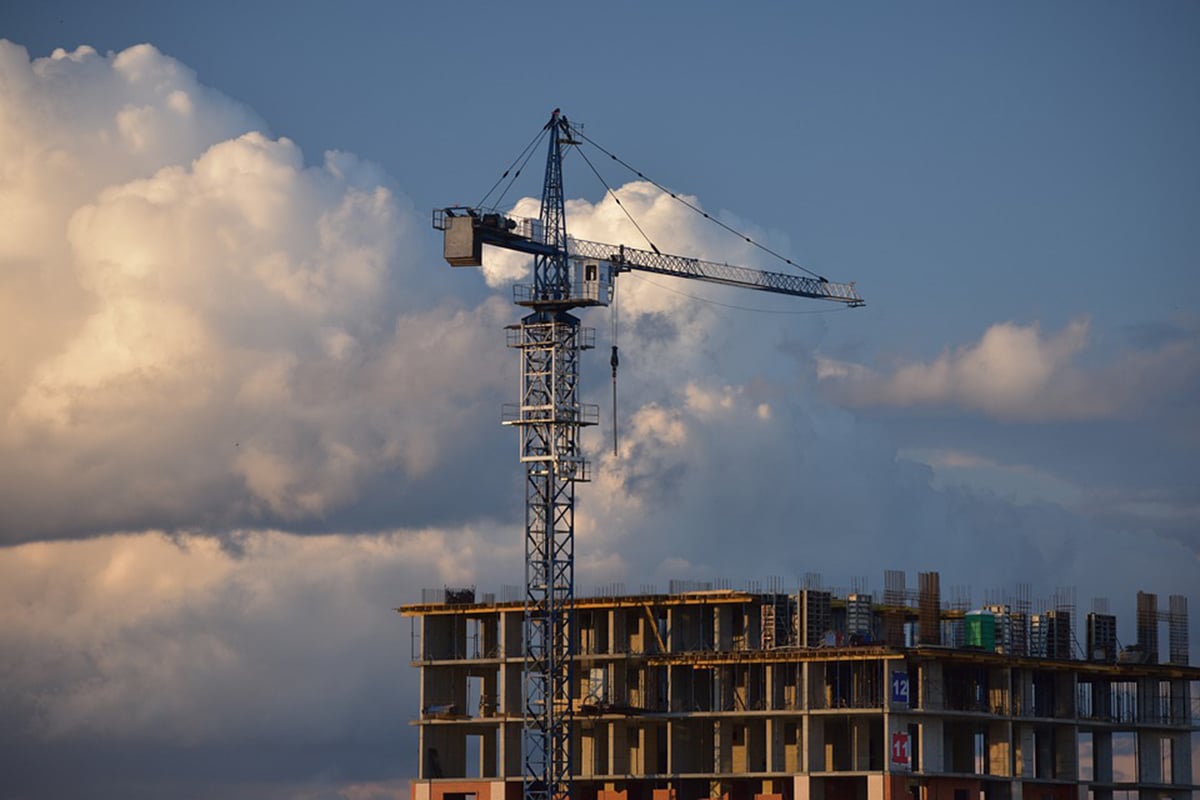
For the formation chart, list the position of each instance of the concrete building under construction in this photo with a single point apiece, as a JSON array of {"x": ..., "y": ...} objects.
[{"x": 817, "y": 694}]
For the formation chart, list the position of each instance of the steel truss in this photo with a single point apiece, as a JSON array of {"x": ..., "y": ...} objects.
[{"x": 550, "y": 417}]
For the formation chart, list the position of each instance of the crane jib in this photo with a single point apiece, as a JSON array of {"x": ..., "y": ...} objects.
[{"x": 712, "y": 272}]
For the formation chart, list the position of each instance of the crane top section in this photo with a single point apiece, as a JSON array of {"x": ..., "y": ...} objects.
[
  {"x": 569, "y": 273},
  {"x": 594, "y": 265}
]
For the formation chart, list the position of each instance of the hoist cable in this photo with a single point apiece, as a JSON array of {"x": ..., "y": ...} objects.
[
  {"x": 618, "y": 201},
  {"x": 526, "y": 154},
  {"x": 700, "y": 211}
]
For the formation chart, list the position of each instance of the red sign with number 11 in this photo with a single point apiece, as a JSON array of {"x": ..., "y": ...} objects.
[{"x": 900, "y": 749}]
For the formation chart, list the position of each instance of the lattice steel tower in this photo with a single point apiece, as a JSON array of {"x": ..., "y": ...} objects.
[{"x": 549, "y": 417}]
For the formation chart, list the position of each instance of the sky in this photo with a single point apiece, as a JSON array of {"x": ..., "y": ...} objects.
[{"x": 246, "y": 409}]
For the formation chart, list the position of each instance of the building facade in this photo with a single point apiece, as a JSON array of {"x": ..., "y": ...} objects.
[{"x": 811, "y": 696}]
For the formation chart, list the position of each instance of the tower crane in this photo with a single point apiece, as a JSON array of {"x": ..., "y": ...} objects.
[{"x": 568, "y": 273}]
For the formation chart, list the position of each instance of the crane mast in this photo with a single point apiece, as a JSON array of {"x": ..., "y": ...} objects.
[
  {"x": 567, "y": 274},
  {"x": 549, "y": 419}
]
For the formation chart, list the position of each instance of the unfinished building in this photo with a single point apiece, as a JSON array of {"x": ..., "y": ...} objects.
[{"x": 815, "y": 695}]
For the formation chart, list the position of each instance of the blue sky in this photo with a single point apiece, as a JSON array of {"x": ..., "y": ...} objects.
[
  {"x": 239, "y": 375},
  {"x": 1034, "y": 157}
]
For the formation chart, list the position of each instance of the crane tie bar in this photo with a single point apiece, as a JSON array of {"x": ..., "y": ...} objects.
[{"x": 700, "y": 211}]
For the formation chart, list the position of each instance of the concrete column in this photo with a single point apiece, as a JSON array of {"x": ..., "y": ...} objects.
[
  {"x": 1022, "y": 692},
  {"x": 491, "y": 635},
  {"x": 772, "y": 743},
  {"x": 860, "y": 729},
  {"x": 1065, "y": 694},
  {"x": 933, "y": 755},
  {"x": 999, "y": 743},
  {"x": 814, "y": 741},
  {"x": 1043, "y": 745},
  {"x": 587, "y": 751},
  {"x": 793, "y": 748},
  {"x": 1181, "y": 758},
  {"x": 1026, "y": 756},
  {"x": 487, "y": 754},
  {"x": 740, "y": 747},
  {"x": 618, "y": 749},
  {"x": 635, "y": 738},
  {"x": 723, "y": 752},
  {"x": 512, "y": 748},
  {"x": 1181, "y": 691},
  {"x": 1066, "y": 753},
  {"x": 669, "y": 732},
  {"x": 1181, "y": 742},
  {"x": 814, "y": 685},
  {"x": 1147, "y": 701},
  {"x": 423, "y": 744},
  {"x": 723, "y": 627},
  {"x": 1149, "y": 757},
  {"x": 932, "y": 688},
  {"x": 1102, "y": 757},
  {"x": 806, "y": 788},
  {"x": 489, "y": 697},
  {"x": 650, "y": 748}
]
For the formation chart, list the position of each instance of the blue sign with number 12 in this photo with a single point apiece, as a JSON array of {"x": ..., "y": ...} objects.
[{"x": 900, "y": 687}]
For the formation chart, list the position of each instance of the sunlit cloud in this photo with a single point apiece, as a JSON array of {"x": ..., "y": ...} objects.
[
  {"x": 1017, "y": 373},
  {"x": 201, "y": 328}
]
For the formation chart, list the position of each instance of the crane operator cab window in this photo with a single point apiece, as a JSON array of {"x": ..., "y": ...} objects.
[{"x": 591, "y": 281}]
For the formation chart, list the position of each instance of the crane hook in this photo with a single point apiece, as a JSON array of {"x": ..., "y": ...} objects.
[{"x": 613, "y": 360}]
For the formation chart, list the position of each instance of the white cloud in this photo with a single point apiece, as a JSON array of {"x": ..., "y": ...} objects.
[
  {"x": 1015, "y": 372},
  {"x": 1019, "y": 482},
  {"x": 198, "y": 327},
  {"x": 145, "y": 638}
]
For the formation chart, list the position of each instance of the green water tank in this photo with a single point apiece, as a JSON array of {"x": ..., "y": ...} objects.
[{"x": 980, "y": 630}]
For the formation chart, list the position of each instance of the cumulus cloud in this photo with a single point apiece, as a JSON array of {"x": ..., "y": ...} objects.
[
  {"x": 1017, "y": 373},
  {"x": 144, "y": 640},
  {"x": 199, "y": 327}
]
